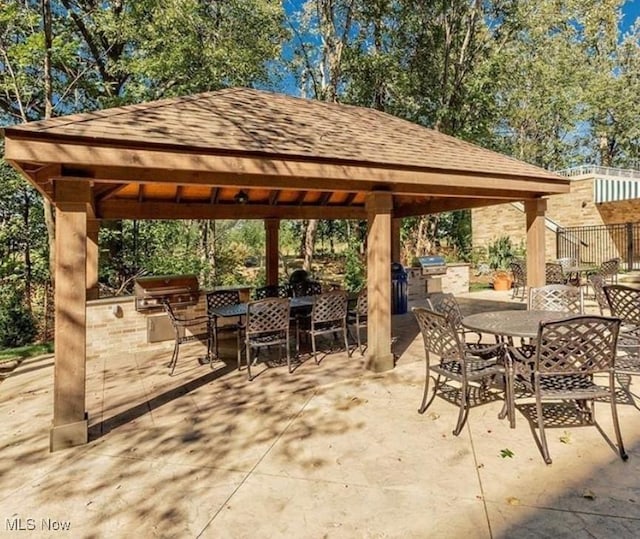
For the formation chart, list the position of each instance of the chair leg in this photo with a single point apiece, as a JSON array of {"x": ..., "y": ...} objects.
[
  {"x": 614, "y": 415},
  {"x": 464, "y": 409},
  {"x": 313, "y": 347},
  {"x": 346, "y": 341},
  {"x": 288, "y": 354},
  {"x": 360, "y": 347},
  {"x": 543, "y": 436},
  {"x": 174, "y": 356},
  {"x": 426, "y": 403},
  {"x": 247, "y": 352},
  {"x": 239, "y": 345}
]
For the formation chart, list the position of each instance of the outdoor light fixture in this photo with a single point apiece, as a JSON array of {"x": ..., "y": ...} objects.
[{"x": 241, "y": 197}]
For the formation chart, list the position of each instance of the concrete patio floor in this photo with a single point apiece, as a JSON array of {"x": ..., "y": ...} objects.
[{"x": 329, "y": 451}]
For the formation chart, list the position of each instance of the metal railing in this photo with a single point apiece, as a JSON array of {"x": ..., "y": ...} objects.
[
  {"x": 595, "y": 244},
  {"x": 595, "y": 170}
]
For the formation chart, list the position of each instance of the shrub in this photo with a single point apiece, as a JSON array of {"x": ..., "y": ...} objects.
[
  {"x": 354, "y": 270},
  {"x": 17, "y": 325},
  {"x": 500, "y": 252}
]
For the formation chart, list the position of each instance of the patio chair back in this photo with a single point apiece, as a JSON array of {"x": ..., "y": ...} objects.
[
  {"x": 358, "y": 316},
  {"x": 609, "y": 269},
  {"x": 519, "y": 271},
  {"x": 306, "y": 288},
  {"x": 272, "y": 291},
  {"x": 267, "y": 324},
  {"x": 445, "y": 303},
  {"x": 568, "y": 353},
  {"x": 554, "y": 274},
  {"x": 328, "y": 315},
  {"x": 566, "y": 263},
  {"x": 439, "y": 334},
  {"x": 215, "y": 299},
  {"x": 624, "y": 302},
  {"x": 456, "y": 363},
  {"x": 597, "y": 282},
  {"x": 557, "y": 297}
]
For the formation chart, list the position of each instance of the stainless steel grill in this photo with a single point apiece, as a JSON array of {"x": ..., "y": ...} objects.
[
  {"x": 179, "y": 290},
  {"x": 432, "y": 265}
]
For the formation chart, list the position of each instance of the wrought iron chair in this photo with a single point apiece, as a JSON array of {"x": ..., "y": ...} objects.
[
  {"x": 597, "y": 282},
  {"x": 624, "y": 302},
  {"x": 445, "y": 303},
  {"x": 183, "y": 332},
  {"x": 567, "y": 263},
  {"x": 559, "y": 372},
  {"x": 358, "y": 318},
  {"x": 267, "y": 325},
  {"x": 519, "y": 271},
  {"x": 221, "y": 298},
  {"x": 273, "y": 291},
  {"x": 609, "y": 269},
  {"x": 554, "y": 274},
  {"x": 306, "y": 288},
  {"x": 328, "y": 316},
  {"x": 456, "y": 363},
  {"x": 556, "y": 297}
]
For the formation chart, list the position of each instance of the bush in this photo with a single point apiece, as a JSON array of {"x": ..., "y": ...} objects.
[
  {"x": 17, "y": 325},
  {"x": 501, "y": 252},
  {"x": 354, "y": 270}
]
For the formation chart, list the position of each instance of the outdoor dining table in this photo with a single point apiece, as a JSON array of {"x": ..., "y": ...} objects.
[
  {"x": 512, "y": 323},
  {"x": 240, "y": 309}
]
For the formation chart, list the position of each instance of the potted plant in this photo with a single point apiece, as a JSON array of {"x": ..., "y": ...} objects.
[{"x": 501, "y": 252}]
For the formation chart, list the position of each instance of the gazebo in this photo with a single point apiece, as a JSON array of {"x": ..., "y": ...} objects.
[{"x": 288, "y": 158}]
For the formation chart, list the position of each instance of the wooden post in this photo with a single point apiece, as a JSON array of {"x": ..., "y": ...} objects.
[
  {"x": 535, "y": 210},
  {"x": 379, "y": 206},
  {"x": 93, "y": 229},
  {"x": 272, "y": 229},
  {"x": 396, "y": 223},
  {"x": 69, "y": 416}
]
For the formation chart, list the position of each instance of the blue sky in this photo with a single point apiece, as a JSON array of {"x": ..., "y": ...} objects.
[{"x": 631, "y": 11}]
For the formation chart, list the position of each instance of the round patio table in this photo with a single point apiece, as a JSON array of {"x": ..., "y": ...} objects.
[{"x": 512, "y": 323}]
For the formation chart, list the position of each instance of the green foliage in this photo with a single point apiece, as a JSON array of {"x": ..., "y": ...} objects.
[
  {"x": 500, "y": 253},
  {"x": 17, "y": 325},
  {"x": 355, "y": 276}
]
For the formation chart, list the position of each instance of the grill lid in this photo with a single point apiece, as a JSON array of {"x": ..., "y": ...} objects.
[
  {"x": 165, "y": 285},
  {"x": 431, "y": 261}
]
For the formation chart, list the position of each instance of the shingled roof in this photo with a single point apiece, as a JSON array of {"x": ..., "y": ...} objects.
[{"x": 357, "y": 149}]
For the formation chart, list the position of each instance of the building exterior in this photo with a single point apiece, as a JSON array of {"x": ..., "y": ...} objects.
[{"x": 598, "y": 196}]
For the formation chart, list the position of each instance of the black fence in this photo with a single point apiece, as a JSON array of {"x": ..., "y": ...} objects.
[{"x": 595, "y": 244}]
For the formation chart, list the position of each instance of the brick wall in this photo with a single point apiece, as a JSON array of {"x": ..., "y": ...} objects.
[
  {"x": 114, "y": 327},
  {"x": 575, "y": 208}
]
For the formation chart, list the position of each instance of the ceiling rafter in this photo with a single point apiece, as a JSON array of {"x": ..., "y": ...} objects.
[{"x": 273, "y": 197}]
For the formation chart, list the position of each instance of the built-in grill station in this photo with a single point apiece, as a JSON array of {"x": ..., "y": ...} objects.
[
  {"x": 432, "y": 265},
  {"x": 432, "y": 268},
  {"x": 179, "y": 290}
]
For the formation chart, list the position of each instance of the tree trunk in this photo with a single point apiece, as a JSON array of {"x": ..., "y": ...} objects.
[
  {"x": 48, "y": 111},
  {"x": 309, "y": 241}
]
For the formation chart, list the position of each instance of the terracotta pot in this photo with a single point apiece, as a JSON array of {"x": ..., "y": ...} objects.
[{"x": 502, "y": 281}]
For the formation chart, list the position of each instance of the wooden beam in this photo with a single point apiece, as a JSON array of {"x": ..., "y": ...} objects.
[
  {"x": 301, "y": 197},
  {"x": 93, "y": 255},
  {"x": 47, "y": 172},
  {"x": 396, "y": 224},
  {"x": 440, "y": 205},
  {"x": 141, "y": 192},
  {"x": 273, "y": 198},
  {"x": 146, "y": 164},
  {"x": 379, "y": 206},
  {"x": 214, "y": 195},
  {"x": 109, "y": 191},
  {"x": 69, "y": 392},
  {"x": 324, "y": 198},
  {"x": 535, "y": 210},
  {"x": 132, "y": 209},
  {"x": 350, "y": 198},
  {"x": 178, "y": 194}
]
